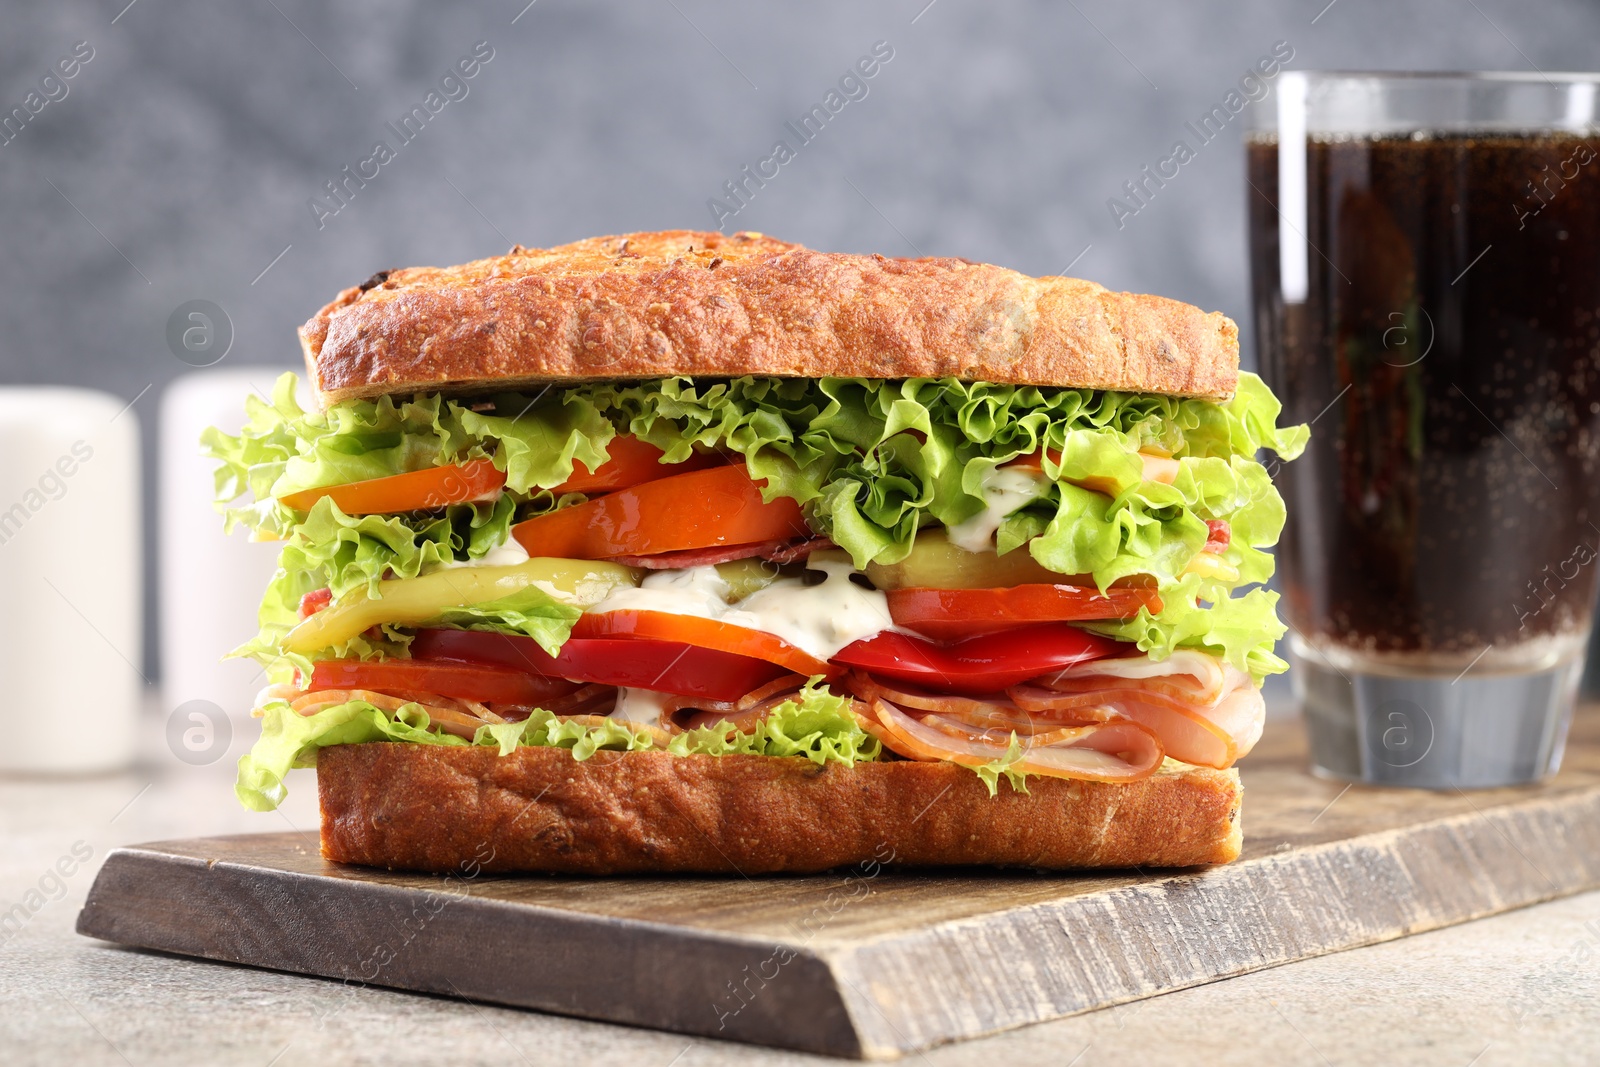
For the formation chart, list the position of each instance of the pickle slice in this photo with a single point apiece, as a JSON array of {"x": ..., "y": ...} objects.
[{"x": 935, "y": 563}]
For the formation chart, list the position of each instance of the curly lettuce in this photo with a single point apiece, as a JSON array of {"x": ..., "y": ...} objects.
[
  {"x": 1207, "y": 616},
  {"x": 530, "y": 611},
  {"x": 343, "y": 553},
  {"x": 285, "y": 449},
  {"x": 815, "y": 725},
  {"x": 289, "y": 740},
  {"x": 871, "y": 461}
]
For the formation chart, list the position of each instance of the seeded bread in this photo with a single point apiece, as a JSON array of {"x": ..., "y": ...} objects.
[{"x": 648, "y": 305}]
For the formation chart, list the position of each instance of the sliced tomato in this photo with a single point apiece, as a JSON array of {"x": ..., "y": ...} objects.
[
  {"x": 630, "y": 461},
  {"x": 477, "y": 479},
  {"x": 953, "y": 614},
  {"x": 986, "y": 664},
  {"x": 315, "y": 601},
  {"x": 702, "y": 633},
  {"x": 1219, "y": 537},
  {"x": 638, "y": 663},
  {"x": 490, "y": 685},
  {"x": 700, "y": 509}
]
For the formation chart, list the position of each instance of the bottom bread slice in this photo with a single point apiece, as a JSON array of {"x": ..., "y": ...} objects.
[{"x": 465, "y": 809}]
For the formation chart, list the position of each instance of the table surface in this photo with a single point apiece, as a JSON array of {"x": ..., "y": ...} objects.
[{"x": 1523, "y": 987}]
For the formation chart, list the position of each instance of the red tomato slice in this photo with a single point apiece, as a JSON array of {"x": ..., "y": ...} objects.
[
  {"x": 630, "y": 461},
  {"x": 476, "y": 479},
  {"x": 638, "y": 663},
  {"x": 702, "y": 633},
  {"x": 954, "y": 614},
  {"x": 1219, "y": 537},
  {"x": 986, "y": 664},
  {"x": 490, "y": 685},
  {"x": 700, "y": 509},
  {"x": 315, "y": 601}
]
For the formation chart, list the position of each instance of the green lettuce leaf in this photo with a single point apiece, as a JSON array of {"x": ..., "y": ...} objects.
[
  {"x": 871, "y": 461},
  {"x": 346, "y": 552},
  {"x": 817, "y": 725},
  {"x": 529, "y": 611},
  {"x": 548, "y": 731},
  {"x": 1004, "y": 767},
  {"x": 877, "y": 460},
  {"x": 1204, "y": 615},
  {"x": 284, "y": 449},
  {"x": 289, "y": 740},
  {"x": 1253, "y": 422},
  {"x": 538, "y": 445}
]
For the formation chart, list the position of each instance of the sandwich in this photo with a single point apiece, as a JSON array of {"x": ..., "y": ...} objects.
[{"x": 685, "y": 552}]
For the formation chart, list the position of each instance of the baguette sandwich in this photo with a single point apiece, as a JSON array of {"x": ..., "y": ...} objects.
[{"x": 681, "y": 552}]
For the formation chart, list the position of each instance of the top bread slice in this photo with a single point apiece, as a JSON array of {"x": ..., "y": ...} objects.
[{"x": 682, "y": 302}]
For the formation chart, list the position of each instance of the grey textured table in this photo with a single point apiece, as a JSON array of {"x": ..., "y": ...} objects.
[{"x": 1519, "y": 988}]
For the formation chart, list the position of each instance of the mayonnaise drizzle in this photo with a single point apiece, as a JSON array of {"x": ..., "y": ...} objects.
[
  {"x": 642, "y": 706},
  {"x": 1005, "y": 489},
  {"x": 508, "y": 554},
  {"x": 820, "y": 619}
]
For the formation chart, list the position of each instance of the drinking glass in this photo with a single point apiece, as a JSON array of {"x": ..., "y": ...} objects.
[{"x": 1425, "y": 252}]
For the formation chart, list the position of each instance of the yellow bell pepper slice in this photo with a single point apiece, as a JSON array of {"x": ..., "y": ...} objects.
[{"x": 409, "y": 601}]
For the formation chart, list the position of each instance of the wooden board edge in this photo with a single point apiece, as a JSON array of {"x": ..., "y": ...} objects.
[
  {"x": 900, "y": 992},
  {"x": 363, "y": 933}
]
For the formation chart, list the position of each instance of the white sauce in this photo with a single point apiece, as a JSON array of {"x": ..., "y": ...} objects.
[
  {"x": 508, "y": 554},
  {"x": 1182, "y": 661},
  {"x": 691, "y": 591},
  {"x": 821, "y": 619},
  {"x": 1005, "y": 489},
  {"x": 642, "y": 706}
]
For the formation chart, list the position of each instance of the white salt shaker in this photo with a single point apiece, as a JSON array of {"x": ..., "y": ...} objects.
[
  {"x": 210, "y": 582},
  {"x": 70, "y": 578}
]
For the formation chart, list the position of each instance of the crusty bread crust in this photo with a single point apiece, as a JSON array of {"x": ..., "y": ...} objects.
[
  {"x": 437, "y": 808},
  {"x": 649, "y": 305}
]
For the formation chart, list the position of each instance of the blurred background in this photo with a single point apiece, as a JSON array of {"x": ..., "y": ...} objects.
[{"x": 225, "y": 154}]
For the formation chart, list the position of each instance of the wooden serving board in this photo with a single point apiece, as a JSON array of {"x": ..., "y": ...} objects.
[{"x": 875, "y": 964}]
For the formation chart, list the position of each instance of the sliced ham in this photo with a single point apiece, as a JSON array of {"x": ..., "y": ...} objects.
[
  {"x": 1242, "y": 714},
  {"x": 1030, "y": 733},
  {"x": 1185, "y": 732},
  {"x": 450, "y": 714},
  {"x": 583, "y": 700},
  {"x": 1205, "y": 712},
  {"x": 1105, "y": 752},
  {"x": 982, "y": 711},
  {"x": 680, "y": 713},
  {"x": 1187, "y": 675}
]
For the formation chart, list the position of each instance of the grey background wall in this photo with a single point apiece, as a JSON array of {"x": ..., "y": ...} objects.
[{"x": 181, "y": 160}]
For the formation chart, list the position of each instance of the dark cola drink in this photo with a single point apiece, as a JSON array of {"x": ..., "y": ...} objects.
[{"x": 1430, "y": 300}]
